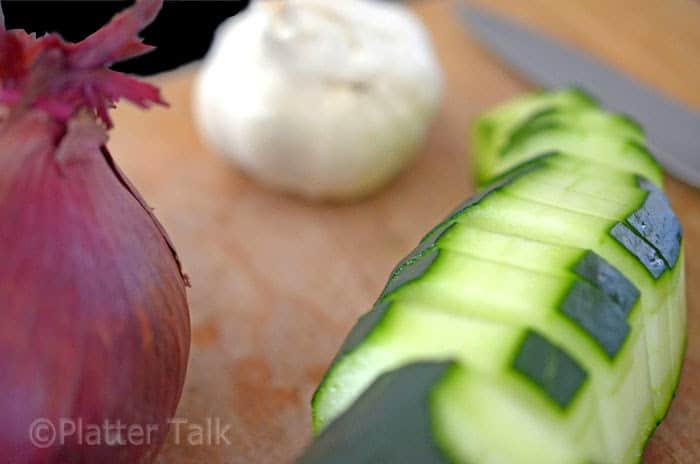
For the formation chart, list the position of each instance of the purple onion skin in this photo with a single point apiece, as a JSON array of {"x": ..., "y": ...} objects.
[{"x": 94, "y": 320}]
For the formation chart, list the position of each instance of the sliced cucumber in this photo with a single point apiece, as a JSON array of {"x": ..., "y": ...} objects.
[
  {"x": 583, "y": 176},
  {"x": 397, "y": 408},
  {"x": 445, "y": 412},
  {"x": 610, "y": 150},
  {"x": 465, "y": 401},
  {"x": 638, "y": 261},
  {"x": 571, "y": 308},
  {"x": 527, "y": 127},
  {"x": 492, "y": 130},
  {"x": 392, "y": 341},
  {"x": 589, "y": 119},
  {"x": 410, "y": 331},
  {"x": 571, "y": 312},
  {"x": 677, "y": 305},
  {"x": 542, "y": 321}
]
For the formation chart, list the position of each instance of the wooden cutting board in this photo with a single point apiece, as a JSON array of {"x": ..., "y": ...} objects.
[{"x": 277, "y": 282}]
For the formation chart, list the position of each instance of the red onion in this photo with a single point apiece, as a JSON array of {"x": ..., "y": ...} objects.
[{"x": 94, "y": 328}]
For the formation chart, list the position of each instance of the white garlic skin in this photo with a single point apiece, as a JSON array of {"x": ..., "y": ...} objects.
[{"x": 327, "y": 99}]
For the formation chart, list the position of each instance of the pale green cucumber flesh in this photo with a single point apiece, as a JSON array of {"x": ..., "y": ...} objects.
[
  {"x": 589, "y": 119},
  {"x": 492, "y": 130},
  {"x": 616, "y": 152}
]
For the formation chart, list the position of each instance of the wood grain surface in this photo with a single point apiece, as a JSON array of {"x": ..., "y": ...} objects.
[{"x": 277, "y": 282}]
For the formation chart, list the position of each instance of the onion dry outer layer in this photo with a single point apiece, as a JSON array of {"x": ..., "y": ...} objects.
[{"x": 95, "y": 326}]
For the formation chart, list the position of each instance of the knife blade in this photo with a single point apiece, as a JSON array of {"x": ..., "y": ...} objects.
[{"x": 673, "y": 129}]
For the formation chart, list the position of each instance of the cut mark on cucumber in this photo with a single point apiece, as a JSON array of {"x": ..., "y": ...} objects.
[
  {"x": 640, "y": 248},
  {"x": 579, "y": 118},
  {"x": 609, "y": 279},
  {"x": 421, "y": 258},
  {"x": 512, "y": 174},
  {"x": 598, "y": 315},
  {"x": 430, "y": 240},
  {"x": 581, "y": 94},
  {"x": 493, "y": 187},
  {"x": 550, "y": 368},
  {"x": 657, "y": 224},
  {"x": 642, "y": 148},
  {"x": 411, "y": 269},
  {"x": 364, "y": 326},
  {"x": 536, "y": 122},
  {"x": 390, "y": 422},
  {"x": 632, "y": 122}
]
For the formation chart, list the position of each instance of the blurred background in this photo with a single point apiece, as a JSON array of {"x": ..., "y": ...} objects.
[{"x": 182, "y": 32}]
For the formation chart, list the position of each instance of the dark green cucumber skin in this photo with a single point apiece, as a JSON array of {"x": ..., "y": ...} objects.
[
  {"x": 414, "y": 266},
  {"x": 653, "y": 233},
  {"x": 390, "y": 423},
  {"x": 534, "y": 360},
  {"x": 640, "y": 248},
  {"x": 656, "y": 222},
  {"x": 609, "y": 279},
  {"x": 362, "y": 328},
  {"x": 598, "y": 315}
]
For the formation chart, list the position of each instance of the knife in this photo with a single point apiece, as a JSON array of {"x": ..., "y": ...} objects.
[{"x": 673, "y": 129}]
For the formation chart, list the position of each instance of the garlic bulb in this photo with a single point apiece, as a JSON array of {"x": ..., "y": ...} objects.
[{"x": 323, "y": 98}]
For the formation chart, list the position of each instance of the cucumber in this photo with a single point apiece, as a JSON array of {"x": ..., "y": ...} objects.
[
  {"x": 589, "y": 119},
  {"x": 443, "y": 333},
  {"x": 614, "y": 241},
  {"x": 574, "y": 312},
  {"x": 444, "y": 412},
  {"x": 492, "y": 130},
  {"x": 543, "y": 321},
  {"x": 610, "y": 150},
  {"x": 565, "y": 120},
  {"x": 396, "y": 406},
  {"x": 583, "y": 176}
]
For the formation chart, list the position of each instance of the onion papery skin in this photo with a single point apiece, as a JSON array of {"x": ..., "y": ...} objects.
[{"x": 95, "y": 323}]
